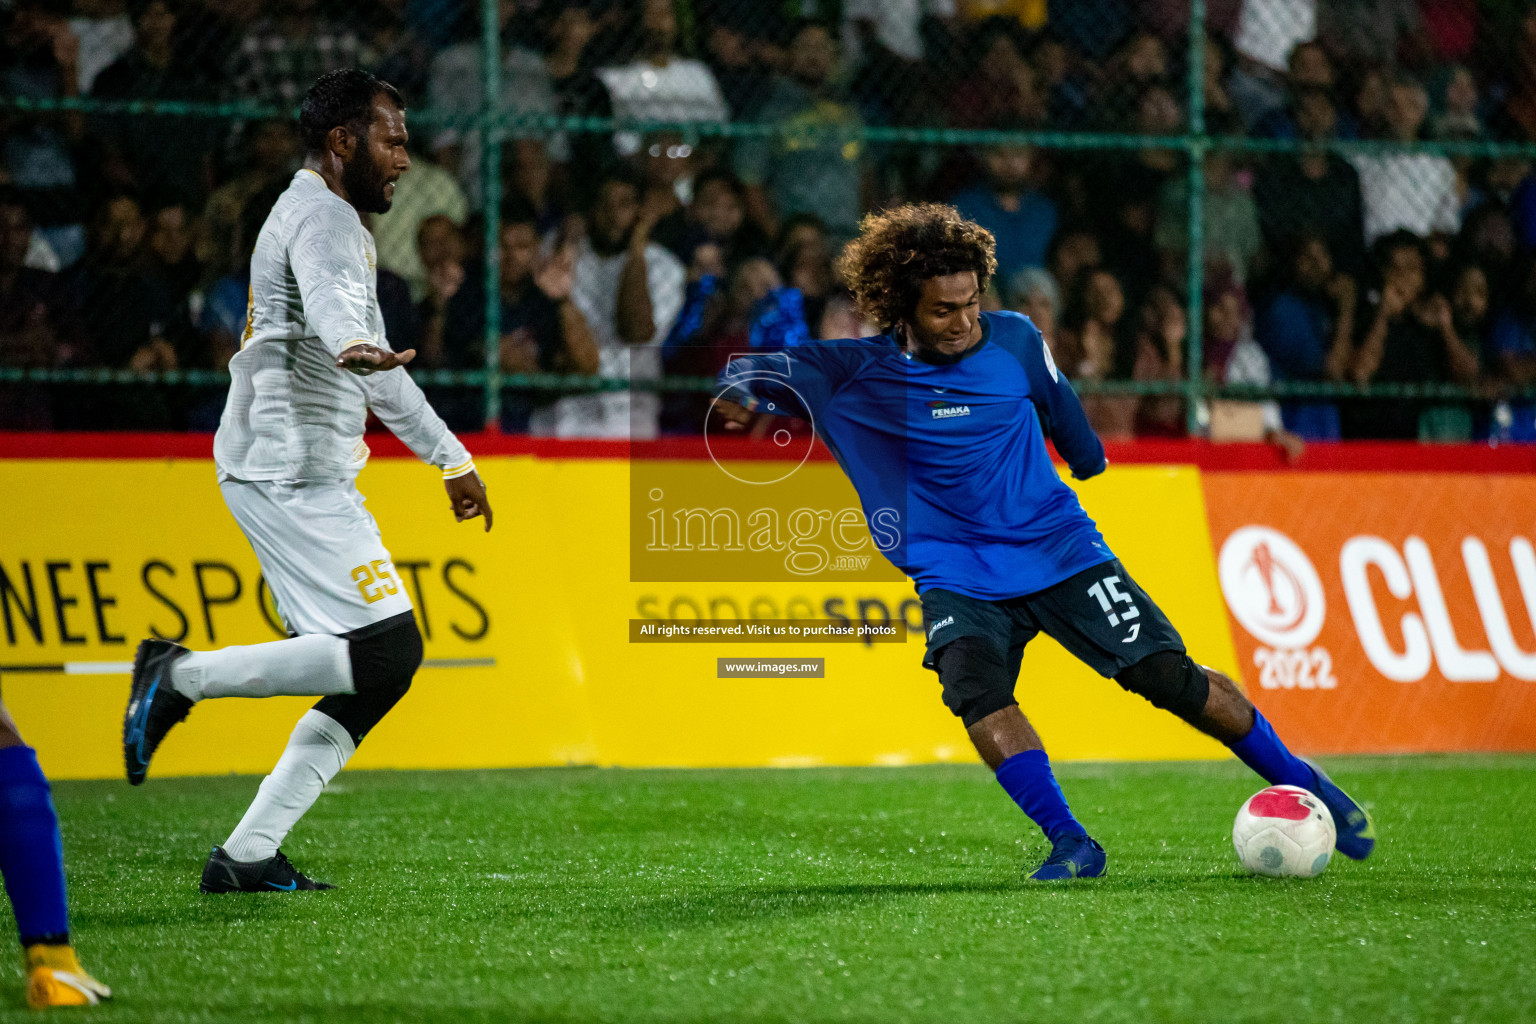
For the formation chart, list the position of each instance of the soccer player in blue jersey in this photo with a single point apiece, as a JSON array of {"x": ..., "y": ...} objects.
[{"x": 944, "y": 417}]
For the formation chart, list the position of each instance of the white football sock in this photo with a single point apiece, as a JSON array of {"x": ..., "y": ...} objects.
[
  {"x": 307, "y": 666},
  {"x": 316, "y": 751}
]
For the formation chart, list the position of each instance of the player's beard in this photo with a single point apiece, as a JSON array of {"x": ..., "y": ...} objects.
[{"x": 365, "y": 183}]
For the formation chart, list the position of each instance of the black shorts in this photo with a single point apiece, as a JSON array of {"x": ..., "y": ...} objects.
[{"x": 1100, "y": 615}]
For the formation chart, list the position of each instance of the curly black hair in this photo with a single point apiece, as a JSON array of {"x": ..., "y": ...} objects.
[
  {"x": 342, "y": 99},
  {"x": 899, "y": 249}
]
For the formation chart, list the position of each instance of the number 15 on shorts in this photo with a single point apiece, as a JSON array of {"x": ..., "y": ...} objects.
[{"x": 1110, "y": 597}]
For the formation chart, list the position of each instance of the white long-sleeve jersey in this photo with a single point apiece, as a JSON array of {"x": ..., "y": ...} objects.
[{"x": 292, "y": 413}]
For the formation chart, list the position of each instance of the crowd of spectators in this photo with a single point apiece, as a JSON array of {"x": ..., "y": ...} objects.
[{"x": 125, "y": 238}]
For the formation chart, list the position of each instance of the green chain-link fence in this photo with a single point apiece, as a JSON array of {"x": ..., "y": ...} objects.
[{"x": 1356, "y": 175}]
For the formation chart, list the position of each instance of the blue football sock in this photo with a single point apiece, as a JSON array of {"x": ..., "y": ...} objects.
[
  {"x": 1028, "y": 779},
  {"x": 1262, "y": 751},
  {"x": 31, "y": 852}
]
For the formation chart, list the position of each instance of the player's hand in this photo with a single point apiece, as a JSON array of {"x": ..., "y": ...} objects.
[
  {"x": 466, "y": 496},
  {"x": 735, "y": 417},
  {"x": 365, "y": 359}
]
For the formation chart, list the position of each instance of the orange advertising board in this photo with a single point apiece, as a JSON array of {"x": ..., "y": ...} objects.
[{"x": 1378, "y": 612}]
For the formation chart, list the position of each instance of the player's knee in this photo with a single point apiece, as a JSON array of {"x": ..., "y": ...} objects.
[
  {"x": 1169, "y": 680},
  {"x": 383, "y": 664},
  {"x": 974, "y": 674}
]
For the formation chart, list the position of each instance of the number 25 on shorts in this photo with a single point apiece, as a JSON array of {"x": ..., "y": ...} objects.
[{"x": 377, "y": 571}]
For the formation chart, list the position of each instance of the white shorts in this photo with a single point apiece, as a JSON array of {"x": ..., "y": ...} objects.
[{"x": 320, "y": 551}]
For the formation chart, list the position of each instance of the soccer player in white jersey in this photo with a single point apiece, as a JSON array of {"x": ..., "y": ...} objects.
[{"x": 313, "y": 362}]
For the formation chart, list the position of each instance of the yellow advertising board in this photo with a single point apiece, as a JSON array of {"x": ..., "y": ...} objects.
[{"x": 528, "y": 628}]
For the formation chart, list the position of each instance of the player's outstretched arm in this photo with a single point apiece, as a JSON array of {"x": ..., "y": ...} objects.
[{"x": 793, "y": 382}]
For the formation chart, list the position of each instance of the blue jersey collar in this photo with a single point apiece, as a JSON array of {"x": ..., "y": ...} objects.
[{"x": 986, "y": 334}]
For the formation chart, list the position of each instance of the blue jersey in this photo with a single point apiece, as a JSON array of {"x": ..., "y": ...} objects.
[{"x": 957, "y": 449}]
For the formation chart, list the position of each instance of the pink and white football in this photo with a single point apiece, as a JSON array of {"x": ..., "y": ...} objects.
[{"x": 1284, "y": 831}]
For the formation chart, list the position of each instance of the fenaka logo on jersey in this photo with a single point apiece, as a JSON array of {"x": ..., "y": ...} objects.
[
  {"x": 1274, "y": 593},
  {"x": 943, "y": 410}
]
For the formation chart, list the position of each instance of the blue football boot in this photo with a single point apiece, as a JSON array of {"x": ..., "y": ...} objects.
[
  {"x": 1355, "y": 832},
  {"x": 1072, "y": 857}
]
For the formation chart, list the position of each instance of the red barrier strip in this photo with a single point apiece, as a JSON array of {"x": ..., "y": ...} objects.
[{"x": 1349, "y": 456}]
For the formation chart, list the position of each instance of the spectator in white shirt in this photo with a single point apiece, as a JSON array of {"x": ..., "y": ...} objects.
[
  {"x": 1413, "y": 191},
  {"x": 659, "y": 85},
  {"x": 455, "y": 85},
  {"x": 893, "y": 24},
  {"x": 629, "y": 290},
  {"x": 1267, "y": 32},
  {"x": 105, "y": 32}
]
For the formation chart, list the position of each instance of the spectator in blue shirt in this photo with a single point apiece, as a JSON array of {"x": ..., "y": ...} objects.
[
  {"x": 1306, "y": 330},
  {"x": 1021, "y": 219},
  {"x": 1513, "y": 351}
]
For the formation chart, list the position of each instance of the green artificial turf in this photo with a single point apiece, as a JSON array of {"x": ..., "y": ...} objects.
[{"x": 802, "y": 895}]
